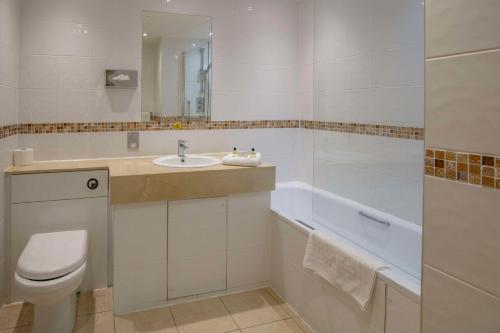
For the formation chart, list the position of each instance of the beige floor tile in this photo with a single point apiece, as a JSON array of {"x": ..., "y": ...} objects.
[
  {"x": 254, "y": 308},
  {"x": 284, "y": 326},
  {"x": 100, "y": 300},
  {"x": 25, "y": 329},
  {"x": 16, "y": 315},
  {"x": 151, "y": 321},
  {"x": 207, "y": 316},
  {"x": 284, "y": 305},
  {"x": 303, "y": 325},
  {"x": 96, "y": 323}
]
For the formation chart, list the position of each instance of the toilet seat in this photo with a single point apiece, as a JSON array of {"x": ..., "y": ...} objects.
[{"x": 53, "y": 255}]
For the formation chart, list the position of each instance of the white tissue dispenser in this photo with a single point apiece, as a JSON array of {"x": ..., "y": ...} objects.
[
  {"x": 121, "y": 78},
  {"x": 23, "y": 156}
]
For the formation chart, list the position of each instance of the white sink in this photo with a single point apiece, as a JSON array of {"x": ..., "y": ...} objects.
[{"x": 190, "y": 161}]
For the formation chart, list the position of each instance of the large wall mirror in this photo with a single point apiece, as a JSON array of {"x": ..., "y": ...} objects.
[{"x": 176, "y": 65}]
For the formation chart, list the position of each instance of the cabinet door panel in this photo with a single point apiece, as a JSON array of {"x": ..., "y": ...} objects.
[
  {"x": 197, "y": 246},
  {"x": 197, "y": 275}
]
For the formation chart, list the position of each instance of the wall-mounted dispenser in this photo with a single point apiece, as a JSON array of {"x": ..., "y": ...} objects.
[{"x": 121, "y": 78}]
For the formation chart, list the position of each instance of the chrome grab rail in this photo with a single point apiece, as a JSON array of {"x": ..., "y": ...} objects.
[{"x": 375, "y": 219}]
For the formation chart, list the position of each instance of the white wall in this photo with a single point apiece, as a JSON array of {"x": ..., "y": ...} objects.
[
  {"x": 66, "y": 45},
  {"x": 9, "y": 77},
  {"x": 278, "y": 146},
  {"x": 369, "y": 61},
  {"x": 369, "y": 68}
]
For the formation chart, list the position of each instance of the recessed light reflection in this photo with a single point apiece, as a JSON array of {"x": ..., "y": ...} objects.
[
  {"x": 250, "y": 8},
  {"x": 145, "y": 35}
]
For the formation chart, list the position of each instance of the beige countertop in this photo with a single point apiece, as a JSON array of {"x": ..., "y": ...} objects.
[{"x": 139, "y": 180}]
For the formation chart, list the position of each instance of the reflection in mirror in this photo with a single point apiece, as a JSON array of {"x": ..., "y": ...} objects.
[{"x": 176, "y": 65}]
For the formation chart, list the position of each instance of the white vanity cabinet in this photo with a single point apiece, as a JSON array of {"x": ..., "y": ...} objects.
[
  {"x": 62, "y": 201},
  {"x": 164, "y": 251},
  {"x": 402, "y": 313}
]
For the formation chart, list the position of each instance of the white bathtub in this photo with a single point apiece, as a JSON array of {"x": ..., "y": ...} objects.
[{"x": 395, "y": 241}]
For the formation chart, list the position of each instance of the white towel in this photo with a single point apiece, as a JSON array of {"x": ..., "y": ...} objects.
[
  {"x": 250, "y": 161},
  {"x": 343, "y": 266}
]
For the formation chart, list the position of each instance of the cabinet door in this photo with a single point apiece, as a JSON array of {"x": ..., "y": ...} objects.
[
  {"x": 197, "y": 243},
  {"x": 139, "y": 255},
  {"x": 403, "y": 314}
]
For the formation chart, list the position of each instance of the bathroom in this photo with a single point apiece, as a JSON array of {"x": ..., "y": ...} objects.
[{"x": 325, "y": 166}]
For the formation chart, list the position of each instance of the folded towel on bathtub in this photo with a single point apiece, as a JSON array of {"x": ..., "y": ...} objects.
[{"x": 342, "y": 265}]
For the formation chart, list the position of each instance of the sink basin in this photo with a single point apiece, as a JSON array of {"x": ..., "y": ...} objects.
[{"x": 190, "y": 161}]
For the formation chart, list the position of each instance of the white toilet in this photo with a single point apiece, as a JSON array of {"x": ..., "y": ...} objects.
[{"x": 48, "y": 273}]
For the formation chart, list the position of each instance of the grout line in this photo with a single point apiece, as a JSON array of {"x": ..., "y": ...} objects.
[
  {"x": 173, "y": 318},
  {"x": 464, "y": 53},
  {"x": 229, "y": 312}
]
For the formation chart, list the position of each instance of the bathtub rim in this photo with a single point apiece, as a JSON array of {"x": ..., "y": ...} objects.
[{"x": 403, "y": 282}]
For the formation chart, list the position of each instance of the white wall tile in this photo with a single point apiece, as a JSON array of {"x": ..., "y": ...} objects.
[
  {"x": 255, "y": 55},
  {"x": 458, "y": 26},
  {"x": 452, "y": 306},
  {"x": 462, "y": 97},
  {"x": 460, "y": 227}
]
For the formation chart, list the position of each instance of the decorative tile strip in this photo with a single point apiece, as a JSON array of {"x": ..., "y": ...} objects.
[
  {"x": 400, "y": 132},
  {"x": 165, "y": 124},
  {"x": 470, "y": 168},
  {"x": 8, "y": 130}
]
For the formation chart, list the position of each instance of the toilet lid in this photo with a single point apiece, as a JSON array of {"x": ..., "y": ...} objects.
[{"x": 50, "y": 256}]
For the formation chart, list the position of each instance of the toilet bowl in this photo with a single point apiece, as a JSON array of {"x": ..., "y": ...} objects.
[{"x": 48, "y": 273}]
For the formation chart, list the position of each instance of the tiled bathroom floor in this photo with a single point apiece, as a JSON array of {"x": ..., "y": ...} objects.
[{"x": 258, "y": 311}]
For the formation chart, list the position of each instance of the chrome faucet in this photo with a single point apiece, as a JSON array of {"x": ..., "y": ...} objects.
[{"x": 182, "y": 146}]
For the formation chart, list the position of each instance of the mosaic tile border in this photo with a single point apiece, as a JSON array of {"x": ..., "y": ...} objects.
[
  {"x": 469, "y": 168},
  {"x": 8, "y": 130},
  {"x": 165, "y": 124},
  {"x": 399, "y": 132}
]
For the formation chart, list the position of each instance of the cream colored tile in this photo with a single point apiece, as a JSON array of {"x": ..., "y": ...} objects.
[
  {"x": 457, "y": 26},
  {"x": 16, "y": 315},
  {"x": 100, "y": 300},
  {"x": 25, "y": 329},
  {"x": 151, "y": 321},
  {"x": 207, "y": 316},
  {"x": 462, "y": 102},
  {"x": 449, "y": 305},
  {"x": 284, "y": 326},
  {"x": 303, "y": 325},
  {"x": 96, "y": 323},
  {"x": 461, "y": 232},
  {"x": 254, "y": 308}
]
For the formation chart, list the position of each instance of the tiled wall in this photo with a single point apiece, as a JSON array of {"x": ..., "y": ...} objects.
[
  {"x": 461, "y": 218},
  {"x": 9, "y": 77},
  {"x": 66, "y": 45},
  {"x": 368, "y": 79}
]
